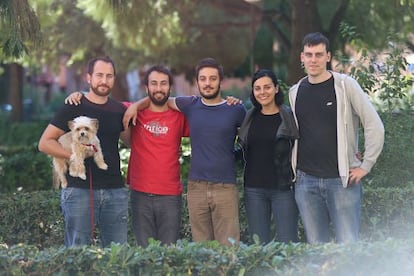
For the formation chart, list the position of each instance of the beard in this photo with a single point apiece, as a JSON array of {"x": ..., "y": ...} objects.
[
  {"x": 210, "y": 96},
  {"x": 159, "y": 102},
  {"x": 99, "y": 92}
]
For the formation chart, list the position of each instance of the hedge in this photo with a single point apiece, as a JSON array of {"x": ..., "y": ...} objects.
[
  {"x": 390, "y": 257},
  {"x": 35, "y": 218}
]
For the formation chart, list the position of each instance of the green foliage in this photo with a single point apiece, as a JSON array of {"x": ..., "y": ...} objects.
[
  {"x": 210, "y": 258},
  {"x": 31, "y": 218},
  {"x": 135, "y": 33},
  {"x": 360, "y": 258},
  {"x": 387, "y": 212},
  {"x": 35, "y": 218},
  {"x": 144, "y": 31},
  {"x": 22, "y": 166},
  {"x": 393, "y": 167},
  {"x": 20, "y": 134},
  {"x": 66, "y": 29},
  {"x": 124, "y": 154},
  {"x": 137, "y": 17},
  {"x": 185, "y": 157},
  {"x": 19, "y": 25},
  {"x": 377, "y": 18},
  {"x": 380, "y": 73}
]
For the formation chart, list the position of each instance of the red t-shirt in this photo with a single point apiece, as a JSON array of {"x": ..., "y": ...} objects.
[{"x": 155, "y": 145}]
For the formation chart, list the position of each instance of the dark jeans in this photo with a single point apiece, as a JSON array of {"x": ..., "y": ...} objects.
[
  {"x": 155, "y": 216},
  {"x": 261, "y": 204}
]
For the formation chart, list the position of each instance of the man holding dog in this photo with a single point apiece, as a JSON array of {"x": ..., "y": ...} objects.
[{"x": 102, "y": 198}]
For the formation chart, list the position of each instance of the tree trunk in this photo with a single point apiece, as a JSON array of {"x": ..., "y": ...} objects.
[
  {"x": 16, "y": 91},
  {"x": 304, "y": 20}
]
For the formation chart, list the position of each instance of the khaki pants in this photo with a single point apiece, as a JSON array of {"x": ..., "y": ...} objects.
[{"x": 214, "y": 211}]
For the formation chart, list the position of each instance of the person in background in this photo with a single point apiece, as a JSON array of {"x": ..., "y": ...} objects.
[
  {"x": 329, "y": 108},
  {"x": 63, "y": 72},
  {"x": 103, "y": 196},
  {"x": 265, "y": 142},
  {"x": 212, "y": 194},
  {"x": 46, "y": 80}
]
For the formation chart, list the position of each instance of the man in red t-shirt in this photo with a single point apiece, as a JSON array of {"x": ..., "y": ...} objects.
[{"x": 154, "y": 168}]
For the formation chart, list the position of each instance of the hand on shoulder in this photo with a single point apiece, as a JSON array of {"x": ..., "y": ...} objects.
[{"x": 74, "y": 98}]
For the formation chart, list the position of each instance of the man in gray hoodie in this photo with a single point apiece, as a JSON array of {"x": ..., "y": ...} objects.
[{"x": 328, "y": 109}]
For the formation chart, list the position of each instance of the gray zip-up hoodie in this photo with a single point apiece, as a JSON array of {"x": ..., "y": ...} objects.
[{"x": 353, "y": 108}]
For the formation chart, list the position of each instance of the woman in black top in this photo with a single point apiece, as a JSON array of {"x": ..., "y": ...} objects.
[{"x": 265, "y": 140}]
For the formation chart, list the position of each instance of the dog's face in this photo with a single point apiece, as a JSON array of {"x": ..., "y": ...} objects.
[{"x": 83, "y": 128}]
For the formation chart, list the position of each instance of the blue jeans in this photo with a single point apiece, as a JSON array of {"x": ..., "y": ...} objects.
[
  {"x": 155, "y": 216},
  {"x": 110, "y": 215},
  {"x": 261, "y": 204},
  {"x": 324, "y": 201}
]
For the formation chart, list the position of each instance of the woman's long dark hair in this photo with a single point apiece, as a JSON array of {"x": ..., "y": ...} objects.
[{"x": 279, "y": 97}]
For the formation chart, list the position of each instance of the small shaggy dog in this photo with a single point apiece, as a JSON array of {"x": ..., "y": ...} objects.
[{"x": 83, "y": 142}]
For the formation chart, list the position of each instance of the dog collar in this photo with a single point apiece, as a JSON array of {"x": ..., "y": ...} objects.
[{"x": 91, "y": 145}]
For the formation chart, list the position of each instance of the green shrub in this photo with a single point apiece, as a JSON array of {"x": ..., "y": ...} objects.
[
  {"x": 24, "y": 168},
  {"x": 389, "y": 257},
  {"x": 31, "y": 218},
  {"x": 387, "y": 212},
  {"x": 393, "y": 168},
  {"x": 35, "y": 218},
  {"x": 20, "y": 134}
]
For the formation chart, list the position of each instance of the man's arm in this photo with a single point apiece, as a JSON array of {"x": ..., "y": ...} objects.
[
  {"x": 49, "y": 144},
  {"x": 172, "y": 104},
  {"x": 126, "y": 137},
  {"x": 131, "y": 113},
  {"x": 372, "y": 126}
]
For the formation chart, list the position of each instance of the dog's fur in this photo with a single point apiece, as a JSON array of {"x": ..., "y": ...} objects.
[{"x": 83, "y": 142}]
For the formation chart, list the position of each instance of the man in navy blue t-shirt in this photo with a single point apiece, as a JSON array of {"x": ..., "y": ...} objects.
[{"x": 212, "y": 194}]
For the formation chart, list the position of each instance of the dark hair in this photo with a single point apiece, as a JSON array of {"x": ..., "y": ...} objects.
[
  {"x": 210, "y": 62},
  {"x": 160, "y": 69},
  {"x": 313, "y": 39},
  {"x": 279, "y": 97},
  {"x": 91, "y": 63}
]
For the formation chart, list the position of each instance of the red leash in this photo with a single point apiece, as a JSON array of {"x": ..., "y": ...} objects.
[
  {"x": 95, "y": 149},
  {"x": 92, "y": 205}
]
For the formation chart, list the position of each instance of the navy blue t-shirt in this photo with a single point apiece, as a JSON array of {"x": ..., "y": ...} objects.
[
  {"x": 213, "y": 130},
  {"x": 109, "y": 116}
]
